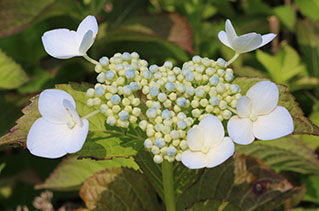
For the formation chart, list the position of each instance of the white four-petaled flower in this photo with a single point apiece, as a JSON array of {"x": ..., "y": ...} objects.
[
  {"x": 60, "y": 130},
  {"x": 207, "y": 145},
  {"x": 260, "y": 116},
  {"x": 65, "y": 43},
  {"x": 244, "y": 43}
]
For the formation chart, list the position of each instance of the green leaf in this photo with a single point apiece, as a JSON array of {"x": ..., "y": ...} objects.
[
  {"x": 312, "y": 194},
  {"x": 15, "y": 15},
  {"x": 243, "y": 181},
  {"x": 183, "y": 176},
  {"x": 309, "y": 8},
  {"x": 213, "y": 204},
  {"x": 302, "y": 125},
  {"x": 283, "y": 66},
  {"x": 111, "y": 143},
  {"x": 308, "y": 39},
  {"x": 286, "y": 15},
  {"x": 118, "y": 189},
  {"x": 71, "y": 172},
  {"x": 11, "y": 74},
  {"x": 285, "y": 154}
]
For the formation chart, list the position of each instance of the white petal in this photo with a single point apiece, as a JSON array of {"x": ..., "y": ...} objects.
[
  {"x": 220, "y": 153},
  {"x": 267, "y": 38},
  {"x": 244, "y": 106},
  {"x": 264, "y": 97},
  {"x": 61, "y": 43},
  {"x": 194, "y": 160},
  {"x": 77, "y": 137},
  {"x": 88, "y": 23},
  {"x": 230, "y": 31},
  {"x": 52, "y": 105},
  {"x": 277, "y": 124},
  {"x": 247, "y": 42},
  {"x": 46, "y": 139},
  {"x": 87, "y": 42},
  {"x": 222, "y": 36},
  {"x": 195, "y": 138},
  {"x": 240, "y": 130},
  {"x": 213, "y": 130}
]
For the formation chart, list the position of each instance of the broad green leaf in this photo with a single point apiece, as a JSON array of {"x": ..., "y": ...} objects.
[
  {"x": 256, "y": 7},
  {"x": 302, "y": 125},
  {"x": 313, "y": 141},
  {"x": 11, "y": 74},
  {"x": 183, "y": 176},
  {"x": 308, "y": 39},
  {"x": 15, "y": 15},
  {"x": 309, "y": 8},
  {"x": 283, "y": 66},
  {"x": 71, "y": 172},
  {"x": 312, "y": 194},
  {"x": 243, "y": 181},
  {"x": 118, "y": 189},
  {"x": 284, "y": 154},
  {"x": 111, "y": 143},
  {"x": 213, "y": 204},
  {"x": 286, "y": 15}
]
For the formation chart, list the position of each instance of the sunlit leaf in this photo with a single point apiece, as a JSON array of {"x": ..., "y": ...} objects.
[
  {"x": 286, "y": 15},
  {"x": 309, "y": 8},
  {"x": 283, "y": 66},
  {"x": 11, "y": 74},
  {"x": 118, "y": 189},
  {"x": 71, "y": 172}
]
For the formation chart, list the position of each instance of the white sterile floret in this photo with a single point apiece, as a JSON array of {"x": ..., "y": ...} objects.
[
  {"x": 259, "y": 115},
  {"x": 65, "y": 43},
  {"x": 244, "y": 43},
  {"x": 60, "y": 130},
  {"x": 207, "y": 145}
]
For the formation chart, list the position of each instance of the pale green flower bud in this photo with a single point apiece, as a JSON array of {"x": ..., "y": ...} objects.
[
  {"x": 172, "y": 96},
  {"x": 182, "y": 133},
  {"x": 175, "y": 134},
  {"x": 196, "y": 112},
  {"x": 136, "y": 112},
  {"x": 103, "y": 108},
  {"x": 155, "y": 150},
  {"x": 194, "y": 103},
  {"x": 150, "y": 132},
  {"x": 226, "y": 114},
  {"x": 89, "y": 102},
  {"x": 90, "y": 92},
  {"x": 143, "y": 124},
  {"x": 176, "y": 142},
  {"x": 98, "y": 68},
  {"x": 203, "y": 102},
  {"x": 178, "y": 157},
  {"x": 220, "y": 88},
  {"x": 158, "y": 135},
  {"x": 96, "y": 101},
  {"x": 167, "y": 138},
  {"x": 128, "y": 108},
  {"x": 116, "y": 108},
  {"x": 222, "y": 105},
  {"x": 167, "y": 104},
  {"x": 158, "y": 159},
  {"x": 183, "y": 145}
]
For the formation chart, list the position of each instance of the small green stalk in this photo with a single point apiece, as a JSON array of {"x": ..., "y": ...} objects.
[{"x": 168, "y": 184}]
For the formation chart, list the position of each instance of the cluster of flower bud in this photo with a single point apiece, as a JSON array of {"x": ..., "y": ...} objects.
[
  {"x": 172, "y": 99},
  {"x": 115, "y": 94}
]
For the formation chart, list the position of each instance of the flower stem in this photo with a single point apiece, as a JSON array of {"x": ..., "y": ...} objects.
[
  {"x": 85, "y": 56},
  {"x": 232, "y": 59},
  {"x": 168, "y": 184},
  {"x": 90, "y": 114}
]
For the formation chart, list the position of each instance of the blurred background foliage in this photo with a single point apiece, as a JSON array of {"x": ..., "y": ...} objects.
[{"x": 158, "y": 30}]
